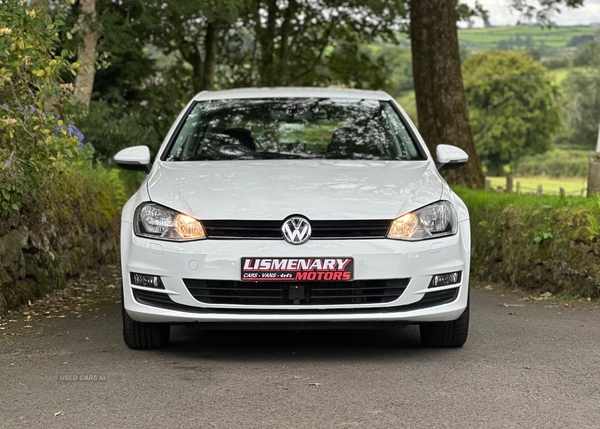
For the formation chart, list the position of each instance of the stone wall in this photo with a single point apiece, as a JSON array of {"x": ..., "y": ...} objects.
[
  {"x": 37, "y": 256},
  {"x": 72, "y": 224},
  {"x": 537, "y": 244}
]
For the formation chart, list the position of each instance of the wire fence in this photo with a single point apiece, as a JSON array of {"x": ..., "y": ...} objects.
[{"x": 517, "y": 188}]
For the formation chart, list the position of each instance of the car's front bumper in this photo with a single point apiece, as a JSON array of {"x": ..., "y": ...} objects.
[{"x": 220, "y": 260}]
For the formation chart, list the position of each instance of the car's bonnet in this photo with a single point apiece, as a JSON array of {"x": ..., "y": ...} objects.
[{"x": 275, "y": 189}]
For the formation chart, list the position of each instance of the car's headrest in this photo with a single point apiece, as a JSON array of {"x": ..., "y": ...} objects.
[
  {"x": 243, "y": 135},
  {"x": 344, "y": 141}
]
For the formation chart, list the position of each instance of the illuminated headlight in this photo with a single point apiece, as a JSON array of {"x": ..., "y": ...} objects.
[
  {"x": 155, "y": 221},
  {"x": 432, "y": 221}
]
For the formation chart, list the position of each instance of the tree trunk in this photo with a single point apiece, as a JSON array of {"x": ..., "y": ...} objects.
[
  {"x": 593, "y": 187},
  {"x": 441, "y": 102},
  {"x": 268, "y": 73},
  {"x": 194, "y": 57},
  {"x": 284, "y": 49},
  {"x": 86, "y": 56},
  {"x": 203, "y": 61},
  {"x": 210, "y": 56}
]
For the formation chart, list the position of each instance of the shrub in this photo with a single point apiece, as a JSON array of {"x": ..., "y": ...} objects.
[
  {"x": 40, "y": 148},
  {"x": 587, "y": 55},
  {"x": 582, "y": 107},
  {"x": 36, "y": 142},
  {"x": 556, "y": 163},
  {"x": 58, "y": 214},
  {"x": 580, "y": 40},
  {"x": 109, "y": 129},
  {"x": 557, "y": 63}
]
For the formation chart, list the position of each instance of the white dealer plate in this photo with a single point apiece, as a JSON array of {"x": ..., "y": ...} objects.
[{"x": 297, "y": 269}]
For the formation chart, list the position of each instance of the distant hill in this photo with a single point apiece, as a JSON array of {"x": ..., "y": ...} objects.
[{"x": 550, "y": 41}]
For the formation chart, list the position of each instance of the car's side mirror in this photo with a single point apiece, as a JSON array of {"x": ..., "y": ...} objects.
[
  {"x": 450, "y": 157},
  {"x": 135, "y": 158}
]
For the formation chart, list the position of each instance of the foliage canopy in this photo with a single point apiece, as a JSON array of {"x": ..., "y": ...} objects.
[
  {"x": 157, "y": 55},
  {"x": 513, "y": 107},
  {"x": 582, "y": 109}
]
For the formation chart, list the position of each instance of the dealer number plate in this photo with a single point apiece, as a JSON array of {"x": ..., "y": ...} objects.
[{"x": 297, "y": 269}]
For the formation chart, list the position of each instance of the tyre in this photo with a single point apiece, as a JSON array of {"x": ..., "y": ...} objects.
[
  {"x": 446, "y": 334},
  {"x": 139, "y": 335}
]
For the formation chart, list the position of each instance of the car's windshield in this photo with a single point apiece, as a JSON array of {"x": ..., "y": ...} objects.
[{"x": 293, "y": 128}]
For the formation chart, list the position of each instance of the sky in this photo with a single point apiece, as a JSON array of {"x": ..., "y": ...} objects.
[{"x": 501, "y": 14}]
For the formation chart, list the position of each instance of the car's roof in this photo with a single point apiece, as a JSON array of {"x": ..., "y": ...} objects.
[{"x": 291, "y": 92}]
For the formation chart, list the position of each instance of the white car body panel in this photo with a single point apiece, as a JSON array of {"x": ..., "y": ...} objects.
[{"x": 275, "y": 189}]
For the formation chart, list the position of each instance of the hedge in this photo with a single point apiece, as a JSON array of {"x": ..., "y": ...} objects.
[{"x": 544, "y": 244}]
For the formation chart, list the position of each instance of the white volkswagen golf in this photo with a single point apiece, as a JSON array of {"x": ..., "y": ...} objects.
[{"x": 294, "y": 208}]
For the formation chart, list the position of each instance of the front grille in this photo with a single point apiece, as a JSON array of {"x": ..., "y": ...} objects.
[
  {"x": 163, "y": 300},
  {"x": 271, "y": 229},
  {"x": 281, "y": 293}
]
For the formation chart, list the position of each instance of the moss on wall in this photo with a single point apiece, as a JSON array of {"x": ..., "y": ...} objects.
[{"x": 72, "y": 226}]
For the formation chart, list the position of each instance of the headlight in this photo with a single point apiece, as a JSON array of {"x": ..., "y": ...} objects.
[
  {"x": 155, "y": 221},
  {"x": 432, "y": 221}
]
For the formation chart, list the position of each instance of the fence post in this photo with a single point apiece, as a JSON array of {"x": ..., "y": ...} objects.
[
  {"x": 488, "y": 184},
  {"x": 518, "y": 187},
  {"x": 561, "y": 192},
  {"x": 593, "y": 186},
  {"x": 540, "y": 190},
  {"x": 509, "y": 183}
]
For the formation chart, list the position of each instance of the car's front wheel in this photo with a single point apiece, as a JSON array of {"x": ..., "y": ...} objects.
[
  {"x": 446, "y": 334},
  {"x": 139, "y": 335}
]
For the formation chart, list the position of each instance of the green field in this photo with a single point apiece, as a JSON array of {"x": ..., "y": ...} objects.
[
  {"x": 560, "y": 75},
  {"x": 550, "y": 186},
  {"x": 488, "y": 38}
]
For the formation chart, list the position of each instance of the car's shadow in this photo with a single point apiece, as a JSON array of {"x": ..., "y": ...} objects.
[{"x": 261, "y": 345}]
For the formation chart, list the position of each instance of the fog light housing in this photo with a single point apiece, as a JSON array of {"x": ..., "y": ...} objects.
[
  {"x": 445, "y": 279},
  {"x": 146, "y": 280}
]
